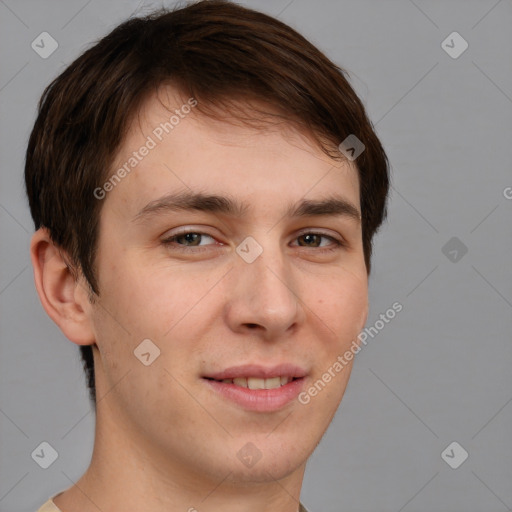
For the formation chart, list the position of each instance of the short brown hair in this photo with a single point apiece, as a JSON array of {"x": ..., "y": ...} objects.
[{"x": 214, "y": 51}]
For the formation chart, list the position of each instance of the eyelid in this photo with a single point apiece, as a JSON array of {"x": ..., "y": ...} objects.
[
  {"x": 319, "y": 231},
  {"x": 186, "y": 230},
  {"x": 168, "y": 239}
]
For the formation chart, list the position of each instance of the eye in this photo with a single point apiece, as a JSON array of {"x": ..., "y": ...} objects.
[
  {"x": 313, "y": 240},
  {"x": 192, "y": 241},
  {"x": 187, "y": 239}
]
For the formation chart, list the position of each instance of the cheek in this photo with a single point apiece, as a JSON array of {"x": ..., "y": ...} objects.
[
  {"x": 151, "y": 299},
  {"x": 341, "y": 310},
  {"x": 343, "y": 307}
]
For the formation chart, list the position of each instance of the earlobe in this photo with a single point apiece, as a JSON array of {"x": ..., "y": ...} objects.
[{"x": 63, "y": 297}]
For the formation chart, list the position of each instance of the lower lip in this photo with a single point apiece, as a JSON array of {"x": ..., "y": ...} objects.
[{"x": 260, "y": 400}]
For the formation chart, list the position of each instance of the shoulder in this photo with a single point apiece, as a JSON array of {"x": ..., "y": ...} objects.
[{"x": 49, "y": 506}]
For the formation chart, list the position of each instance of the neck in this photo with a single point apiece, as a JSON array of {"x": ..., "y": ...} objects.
[{"x": 128, "y": 472}]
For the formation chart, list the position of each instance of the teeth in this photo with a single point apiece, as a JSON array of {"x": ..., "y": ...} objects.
[
  {"x": 240, "y": 381},
  {"x": 256, "y": 383},
  {"x": 272, "y": 383}
]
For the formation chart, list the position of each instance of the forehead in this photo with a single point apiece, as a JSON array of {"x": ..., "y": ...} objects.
[{"x": 172, "y": 146}]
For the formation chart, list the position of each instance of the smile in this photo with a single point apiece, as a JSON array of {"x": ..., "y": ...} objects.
[
  {"x": 257, "y": 394},
  {"x": 257, "y": 383}
]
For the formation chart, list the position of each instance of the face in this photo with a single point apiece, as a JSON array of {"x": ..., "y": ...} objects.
[{"x": 266, "y": 280}]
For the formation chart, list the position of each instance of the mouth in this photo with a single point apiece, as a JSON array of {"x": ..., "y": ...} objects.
[
  {"x": 258, "y": 383},
  {"x": 258, "y": 388}
]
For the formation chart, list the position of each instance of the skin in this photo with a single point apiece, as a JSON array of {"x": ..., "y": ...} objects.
[{"x": 164, "y": 441}]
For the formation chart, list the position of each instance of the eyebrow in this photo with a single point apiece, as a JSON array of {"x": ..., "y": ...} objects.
[{"x": 197, "y": 201}]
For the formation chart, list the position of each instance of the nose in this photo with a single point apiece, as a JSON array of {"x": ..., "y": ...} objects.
[{"x": 263, "y": 297}]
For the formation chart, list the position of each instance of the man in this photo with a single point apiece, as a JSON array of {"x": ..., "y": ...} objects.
[{"x": 205, "y": 186}]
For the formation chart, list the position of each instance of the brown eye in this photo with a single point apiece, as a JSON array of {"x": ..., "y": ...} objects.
[
  {"x": 311, "y": 240},
  {"x": 187, "y": 239},
  {"x": 314, "y": 240},
  {"x": 191, "y": 239}
]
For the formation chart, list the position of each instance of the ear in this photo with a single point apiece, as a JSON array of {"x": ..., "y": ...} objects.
[{"x": 63, "y": 297}]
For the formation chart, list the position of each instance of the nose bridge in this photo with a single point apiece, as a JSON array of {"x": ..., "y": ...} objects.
[{"x": 263, "y": 281}]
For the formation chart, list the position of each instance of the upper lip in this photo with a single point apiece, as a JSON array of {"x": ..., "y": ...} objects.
[{"x": 258, "y": 371}]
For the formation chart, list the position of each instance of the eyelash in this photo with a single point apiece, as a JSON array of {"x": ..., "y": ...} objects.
[{"x": 338, "y": 244}]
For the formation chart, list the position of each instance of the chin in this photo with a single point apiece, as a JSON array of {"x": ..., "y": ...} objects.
[
  {"x": 264, "y": 461},
  {"x": 261, "y": 473}
]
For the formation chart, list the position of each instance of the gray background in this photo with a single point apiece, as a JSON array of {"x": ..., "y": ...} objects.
[{"x": 439, "y": 372}]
